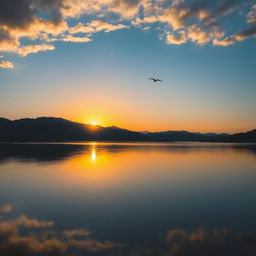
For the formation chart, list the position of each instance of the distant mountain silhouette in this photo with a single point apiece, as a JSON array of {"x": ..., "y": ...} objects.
[
  {"x": 249, "y": 136},
  {"x": 185, "y": 136},
  {"x": 59, "y": 129}
]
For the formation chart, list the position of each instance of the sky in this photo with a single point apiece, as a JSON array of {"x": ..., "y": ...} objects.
[{"x": 90, "y": 60}]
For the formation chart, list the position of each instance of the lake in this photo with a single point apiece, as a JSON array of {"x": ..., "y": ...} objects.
[{"x": 166, "y": 199}]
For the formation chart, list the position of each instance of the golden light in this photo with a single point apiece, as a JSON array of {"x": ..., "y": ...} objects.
[{"x": 93, "y": 123}]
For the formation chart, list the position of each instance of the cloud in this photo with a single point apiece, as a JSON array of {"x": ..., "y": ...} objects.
[
  {"x": 223, "y": 42},
  {"x": 251, "y": 16},
  {"x": 6, "y": 64},
  {"x": 244, "y": 34},
  {"x": 81, "y": 28},
  {"x": 148, "y": 19},
  {"x": 46, "y": 21},
  {"x": 95, "y": 26},
  {"x": 74, "y": 39},
  {"x": 99, "y": 25},
  {"x": 198, "y": 21},
  {"x": 224, "y": 8},
  {"x": 240, "y": 36},
  {"x": 125, "y": 8},
  {"x": 197, "y": 35},
  {"x": 179, "y": 12},
  {"x": 16, "y": 14},
  {"x": 174, "y": 16},
  {"x": 7, "y": 44},
  {"x": 193, "y": 33},
  {"x": 180, "y": 38},
  {"x": 28, "y": 49},
  {"x": 20, "y": 20}
]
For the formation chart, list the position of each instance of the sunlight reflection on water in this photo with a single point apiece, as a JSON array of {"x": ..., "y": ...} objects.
[{"x": 127, "y": 199}]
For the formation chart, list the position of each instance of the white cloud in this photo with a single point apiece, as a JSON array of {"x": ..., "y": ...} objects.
[
  {"x": 100, "y": 25},
  {"x": 197, "y": 35},
  {"x": 28, "y": 49},
  {"x": 75, "y": 39},
  {"x": 6, "y": 64},
  {"x": 81, "y": 28},
  {"x": 180, "y": 38}
]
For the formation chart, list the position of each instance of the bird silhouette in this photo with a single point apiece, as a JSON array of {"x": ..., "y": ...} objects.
[{"x": 155, "y": 79}]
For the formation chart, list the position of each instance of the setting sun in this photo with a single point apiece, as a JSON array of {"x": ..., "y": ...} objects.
[{"x": 93, "y": 123}]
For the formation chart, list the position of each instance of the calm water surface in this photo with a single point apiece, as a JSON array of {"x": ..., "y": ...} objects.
[{"x": 127, "y": 199}]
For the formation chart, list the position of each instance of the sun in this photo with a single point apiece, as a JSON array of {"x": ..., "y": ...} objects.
[{"x": 93, "y": 123}]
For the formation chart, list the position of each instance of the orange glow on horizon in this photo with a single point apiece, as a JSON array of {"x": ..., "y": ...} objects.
[
  {"x": 134, "y": 114},
  {"x": 138, "y": 124}
]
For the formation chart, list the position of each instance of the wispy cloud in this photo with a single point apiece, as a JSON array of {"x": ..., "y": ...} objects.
[
  {"x": 6, "y": 64},
  {"x": 95, "y": 26},
  {"x": 99, "y": 25},
  {"x": 81, "y": 28},
  {"x": 28, "y": 49},
  {"x": 75, "y": 39}
]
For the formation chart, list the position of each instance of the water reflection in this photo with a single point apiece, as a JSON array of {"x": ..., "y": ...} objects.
[
  {"x": 94, "y": 157},
  {"x": 62, "y": 151},
  {"x": 38, "y": 152},
  {"x": 31, "y": 236},
  {"x": 168, "y": 199}
]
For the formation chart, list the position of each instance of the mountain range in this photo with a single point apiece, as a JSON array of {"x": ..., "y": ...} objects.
[{"x": 50, "y": 129}]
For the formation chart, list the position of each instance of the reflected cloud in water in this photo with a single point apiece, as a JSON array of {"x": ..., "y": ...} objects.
[
  {"x": 33, "y": 237},
  {"x": 29, "y": 236}
]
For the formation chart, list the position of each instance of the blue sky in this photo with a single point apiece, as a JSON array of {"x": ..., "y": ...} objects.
[{"x": 205, "y": 54}]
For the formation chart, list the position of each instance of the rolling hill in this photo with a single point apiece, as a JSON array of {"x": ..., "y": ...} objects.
[{"x": 44, "y": 129}]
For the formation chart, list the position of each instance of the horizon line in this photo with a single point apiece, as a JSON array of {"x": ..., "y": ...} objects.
[{"x": 141, "y": 131}]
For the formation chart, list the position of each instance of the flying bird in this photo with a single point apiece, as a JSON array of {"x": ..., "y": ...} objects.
[{"x": 155, "y": 79}]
